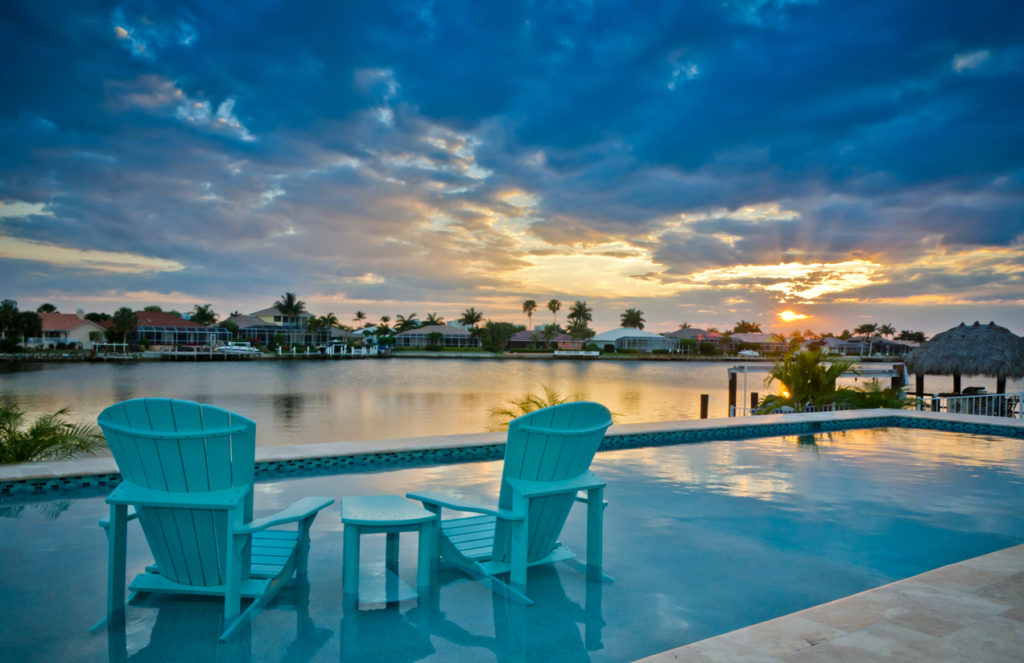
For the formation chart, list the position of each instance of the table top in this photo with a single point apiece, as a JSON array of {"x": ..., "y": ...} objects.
[{"x": 383, "y": 510}]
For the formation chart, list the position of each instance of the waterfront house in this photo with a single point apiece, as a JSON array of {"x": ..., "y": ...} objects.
[
  {"x": 688, "y": 333},
  {"x": 450, "y": 337},
  {"x": 71, "y": 329},
  {"x": 535, "y": 337},
  {"x": 262, "y": 327},
  {"x": 627, "y": 338},
  {"x": 165, "y": 330},
  {"x": 763, "y": 344}
]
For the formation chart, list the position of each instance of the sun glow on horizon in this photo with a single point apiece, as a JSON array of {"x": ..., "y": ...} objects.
[{"x": 791, "y": 316}]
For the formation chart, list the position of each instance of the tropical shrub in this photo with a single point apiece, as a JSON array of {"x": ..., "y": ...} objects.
[
  {"x": 807, "y": 381},
  {"x": 514, "y": 408},
  {"x": 50, "y": 437}
]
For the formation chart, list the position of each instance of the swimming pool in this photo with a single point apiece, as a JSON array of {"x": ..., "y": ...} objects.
[{"x": 702, "y": 538}]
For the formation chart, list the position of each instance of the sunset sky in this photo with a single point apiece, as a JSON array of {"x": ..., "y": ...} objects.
[{"x": 705, "y": 162}]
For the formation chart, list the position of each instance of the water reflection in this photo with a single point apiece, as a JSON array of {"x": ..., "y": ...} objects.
[
  {"x": 187, "y": 629},
  {"x": 549, "y": 630},
  {"x": 47, "y": 510}
]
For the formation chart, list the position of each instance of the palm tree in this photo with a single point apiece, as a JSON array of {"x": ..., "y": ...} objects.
[
  {"x": 471, "y": 317},
  {"x": 290, "y": 307},
  {"x": 553, "y": 306},
  {"x": 46, "y": 308},
  {"x": 124, "y": 323},
  {"x": 550, "y": 332},
  {"x": 7, "y": 313},
  {"x": 383, "y": 327},
  {"x": 744, "y": 327},
  {"x": 868, "y": 329},
  {"x": 886, "y": 330},
  {"x": 434, "y": 319},
  {"x": 632, "y": 318},
  {"x": 360, "y": 318},
  {"x": 580, "y": 312},
  {"x": 202, "y": 314},
  {"x": 806, "y": 380},
  {"x": 329, "y": 320},
  {"x": 529, "y": 306},
  {"x": 685, "y": 325},
  {"x": 50, "y": 437},
  {"x": 403, "y": 323}
]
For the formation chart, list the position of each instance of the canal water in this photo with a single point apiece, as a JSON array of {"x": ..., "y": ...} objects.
[{"x": 302, "y": 402}]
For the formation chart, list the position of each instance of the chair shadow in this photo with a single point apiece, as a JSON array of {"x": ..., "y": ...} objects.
[{"x": 187, "y": 629}]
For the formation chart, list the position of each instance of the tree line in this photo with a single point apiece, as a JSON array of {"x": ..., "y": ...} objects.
[{"x": 16, "y": 324}]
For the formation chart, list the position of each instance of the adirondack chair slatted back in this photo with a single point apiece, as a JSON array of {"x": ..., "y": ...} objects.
[
  {"x": 182, "y": 447},
  {"x": 552, "y": 444}
]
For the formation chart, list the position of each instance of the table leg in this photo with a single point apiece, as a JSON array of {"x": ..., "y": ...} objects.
[
  {"x": 391, "y": 580},
  {"x": 350, "y": 561},
  {"x": 426, "y": 564}
]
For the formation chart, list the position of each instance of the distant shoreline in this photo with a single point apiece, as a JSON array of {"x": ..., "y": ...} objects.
[{"x": 526, "y": 356}]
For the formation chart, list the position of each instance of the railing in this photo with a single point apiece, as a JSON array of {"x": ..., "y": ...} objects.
[
  {"x": 992, "y": 405},
  {"x": 735, "y": 411}
]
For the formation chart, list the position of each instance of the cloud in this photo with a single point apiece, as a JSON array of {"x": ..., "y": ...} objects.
[
  {"x": 12, "y": 248},
  {"x": 973, "y": 60}
]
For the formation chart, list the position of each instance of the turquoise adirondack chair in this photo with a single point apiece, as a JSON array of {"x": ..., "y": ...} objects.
[
  {"x": 547, "y": 457},
  {"x": 187, "y": 472}
]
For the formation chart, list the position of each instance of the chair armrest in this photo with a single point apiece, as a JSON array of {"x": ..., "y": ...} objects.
[
  {"x": 526, "y": 488},
  {"x": 443, "y": 500},
  {"x": 132, "y": 515},
  {"x": 304, "y": 508},
  {"x": 129, "y": 493}
]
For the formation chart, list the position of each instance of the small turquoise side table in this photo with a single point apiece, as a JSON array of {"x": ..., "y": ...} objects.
[{"x": 390, "y": 515}]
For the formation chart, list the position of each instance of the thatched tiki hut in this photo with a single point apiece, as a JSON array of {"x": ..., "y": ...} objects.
[{"x": 988, "y": 350}]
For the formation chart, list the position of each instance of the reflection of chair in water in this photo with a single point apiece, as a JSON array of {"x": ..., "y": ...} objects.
[
  {"x": 546, "y": 631},
  {"x": 547, "y": 457},
  {"x": 186, "y": 630},
  {"x": 188, "y": 471},
  {"x": 382, "y": 635}
]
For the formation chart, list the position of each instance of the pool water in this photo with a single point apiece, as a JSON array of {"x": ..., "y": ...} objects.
[{"x": 701, "y": 539}]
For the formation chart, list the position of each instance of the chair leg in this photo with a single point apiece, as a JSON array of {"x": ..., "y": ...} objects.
[
  {"x": 302, "y": 550},
  {"x": 595, "y": 532},
  {"x": 519, "y": 547},
  {"x": 117, "y": 545}
]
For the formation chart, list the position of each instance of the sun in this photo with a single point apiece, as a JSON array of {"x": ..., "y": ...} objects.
[{"x": 790, "y": 316}]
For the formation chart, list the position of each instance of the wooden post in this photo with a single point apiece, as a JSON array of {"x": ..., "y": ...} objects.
[
  {"x": 704, "y": 406},
  {"x": 897, "y": 380},
  {"x": 1001, "y": 385},
  {"x": 732, "y": 392},
  {"x": 753, "y": 400},
  {"x": 956, "y": 383},
  {"x": 936, "y": 403},
  {"x": 919, "y": 385}
]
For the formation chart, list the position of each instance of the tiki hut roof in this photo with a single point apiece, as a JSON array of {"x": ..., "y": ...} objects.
[{"x": 978, "y": 349}]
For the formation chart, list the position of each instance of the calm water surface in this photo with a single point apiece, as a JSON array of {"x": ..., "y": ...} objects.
[
  {"x": 301, "y": 402},
  {"x": 701, "y": 538}
]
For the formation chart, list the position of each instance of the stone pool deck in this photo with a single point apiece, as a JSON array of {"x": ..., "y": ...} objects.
[{"x": 969, "y": 611}]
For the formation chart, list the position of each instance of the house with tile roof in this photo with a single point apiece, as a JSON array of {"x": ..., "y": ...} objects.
[
  {"x": 535, "y": 338},
  {"x": 162, "y": 329},
  {"x": 264, "y": 326},
  {"x": 628, "y": 338},
  {"x": 450, "y": 337},
  {"x": 67, "y": 328}
]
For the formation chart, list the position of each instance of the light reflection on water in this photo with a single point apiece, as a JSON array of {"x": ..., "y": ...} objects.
[{"x": 299, "y": 402}]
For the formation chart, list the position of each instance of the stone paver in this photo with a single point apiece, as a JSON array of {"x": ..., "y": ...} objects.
[{"x": 970, "y": 611}]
